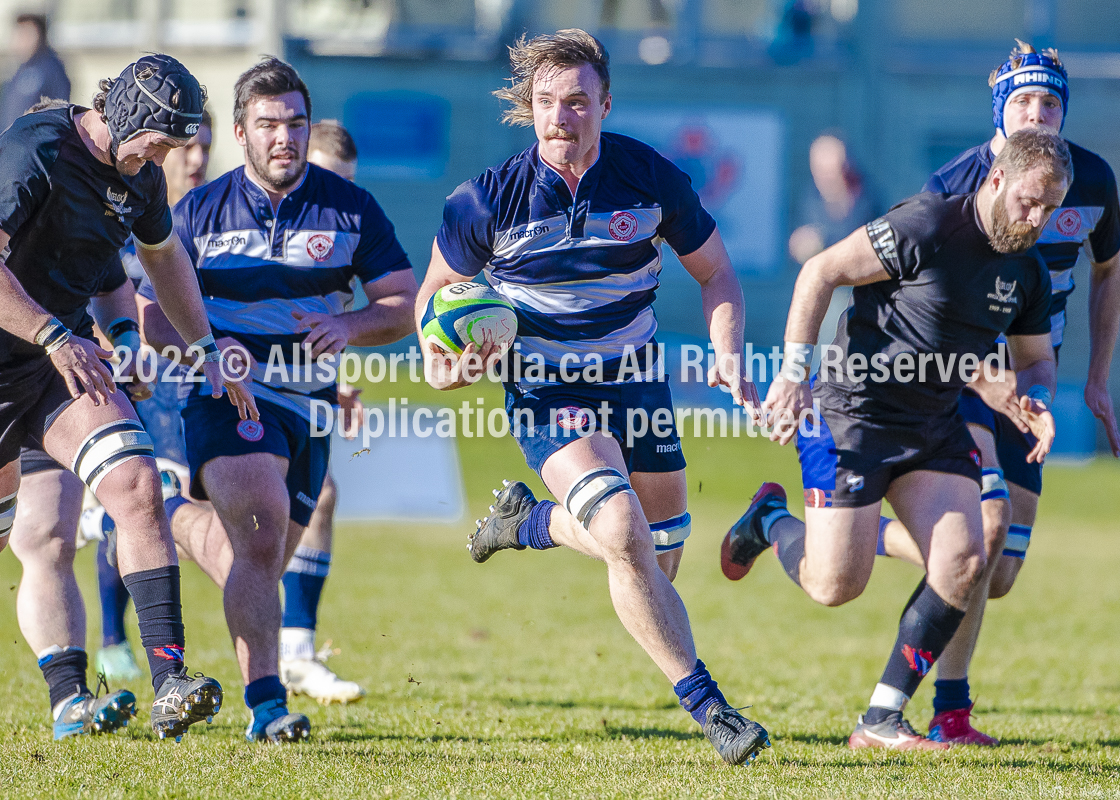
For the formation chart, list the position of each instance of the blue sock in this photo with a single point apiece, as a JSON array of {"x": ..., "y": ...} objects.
[
  {"x": 262, "y": 690},
  {"x": 114, "y": 597},
  {"x": 303, "y": 586},
  {"x": 533, "y": 532},
  {"x": 698, "y": 692},
  {"x": 881, "y": 545},
  {"x": 173, "y": 504},
  {"x": 950, "y": 695}
]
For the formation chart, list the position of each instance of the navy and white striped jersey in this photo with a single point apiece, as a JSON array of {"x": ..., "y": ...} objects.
[
  {"x": 256, "y": 267},
  {"x": 1086, "y": 227},
  {"x": 581, "y": 272}
]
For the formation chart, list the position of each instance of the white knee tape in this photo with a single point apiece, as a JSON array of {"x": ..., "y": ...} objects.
[
  {"x": 992, "y": 485},
  {"x": 591, "y": 490},
  {"x": 671, "y": 533},
  {"x": 7, "y": 514},
  {"x": 109, "y": 446}
]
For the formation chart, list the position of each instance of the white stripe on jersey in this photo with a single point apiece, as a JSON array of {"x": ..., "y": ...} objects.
[
  {"x": 636, "y": 334},
  {"x": 574, "y": 296},
  {"x": 551, "y": 235}
]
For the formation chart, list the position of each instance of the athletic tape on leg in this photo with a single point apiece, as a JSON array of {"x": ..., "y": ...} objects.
[
  {"x": 7, "y": 514},
  {"x": 992, "y": 485},
  {"x": 1018, "y": 540},
  {"x": 591, "y": 490},
  {"x": 109, "y": 446},
  {"x": 671, "y": 533}
]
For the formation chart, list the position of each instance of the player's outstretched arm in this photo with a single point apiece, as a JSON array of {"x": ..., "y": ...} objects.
[
  {"x": 78, "y": 360},
  {"x": 1104, "y": 326},
  {"x": 443, "y": 370},
  {"x": 850, "y": 262},
  {"x": 387, "y": 318},
  {"x": 722, "y": 300}
]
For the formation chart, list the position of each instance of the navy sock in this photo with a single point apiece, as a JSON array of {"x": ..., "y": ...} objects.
[
  {"x": 533, "y": 532},
  {"x": 65, "y": 673},
  {"x": 927, "y": 625},
  {"x": 303, "y": 586},
  {"x": 156, "y": 595},
  {"x": 173, "y": 504},
  {"x": 881, "y": 544},
  {"x": 114, "y": 598},
  {"x": 264, "y": 689},
  {"x": 950, "y": 695},
  {"x": 698, "y": 692}
]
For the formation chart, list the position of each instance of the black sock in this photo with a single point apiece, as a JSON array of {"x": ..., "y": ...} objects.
[
  {"x": 65, "y": 673},
  {"x": 155, "y": 593},
  {"x": 927, "y": 625}
]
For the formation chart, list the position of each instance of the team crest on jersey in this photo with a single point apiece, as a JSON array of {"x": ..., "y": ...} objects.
[
  {"x": 1004, "y": 292},
  {"x": 1069, "y": 222},
  {"x": 115, "y": 207},
  {"x": 623, "y": 226},
  {"x": 572, "y": 418},
  {"x": 921, "y": 661},
  {"x": 320, "y": 246},
  {"x": 250, "y": 430},
  {"x": 855, "y": 482}
]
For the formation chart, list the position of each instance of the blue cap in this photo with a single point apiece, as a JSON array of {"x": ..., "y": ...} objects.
[{"x": 1028, "y": 72}]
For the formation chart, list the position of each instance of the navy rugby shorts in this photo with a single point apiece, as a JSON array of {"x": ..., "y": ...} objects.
[
  {"x": 852, "y": 460},
  {"x": 545, "y": 419},
  {"x": 1012, "y": 445},
  {"x": 213, "y": 429}
]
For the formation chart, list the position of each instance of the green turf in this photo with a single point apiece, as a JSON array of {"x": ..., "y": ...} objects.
[{"x": 515, "y": 679}]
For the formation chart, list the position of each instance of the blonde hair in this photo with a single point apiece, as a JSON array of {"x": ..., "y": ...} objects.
[
  {"x": 1029, "y": 148},
  {"x": 571, "y": 47},
  {"x": 1021, "y": 49}
]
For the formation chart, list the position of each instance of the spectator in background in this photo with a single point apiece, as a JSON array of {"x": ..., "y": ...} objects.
[
  {"x": 40, "y": 74},
  {"x": 840, "y": 203}
]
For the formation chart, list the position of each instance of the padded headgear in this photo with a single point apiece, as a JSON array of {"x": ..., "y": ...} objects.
[
  {"x": 1028, "y": 72},
  {"x": 158, "y": 94}
]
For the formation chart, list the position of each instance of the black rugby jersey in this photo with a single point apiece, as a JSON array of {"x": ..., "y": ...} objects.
[
  {"x": 949, "y": 293},
  {"x": 68, "y": 215},
  {"x": 1087, "y": 226}
]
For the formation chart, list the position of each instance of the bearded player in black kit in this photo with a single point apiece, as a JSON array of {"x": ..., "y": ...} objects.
[{"x": 75, "y": 184}]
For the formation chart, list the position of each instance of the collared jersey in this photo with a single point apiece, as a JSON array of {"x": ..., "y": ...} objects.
[
  {"x": 949, "y": 294},
  {"x": 255, "y": 267},
  {"x": 1086, "y": 227},
  {"x": 580, "y": 271},
  {"x": 68, "y": 215}
]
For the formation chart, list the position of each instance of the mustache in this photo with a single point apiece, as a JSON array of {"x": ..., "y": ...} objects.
[{"x": 558, "y": 133}]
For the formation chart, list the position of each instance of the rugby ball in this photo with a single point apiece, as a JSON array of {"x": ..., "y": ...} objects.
[{"x": 465, "y": 312}]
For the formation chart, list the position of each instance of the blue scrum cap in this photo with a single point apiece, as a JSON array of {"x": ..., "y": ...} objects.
[{"x": 1028, "y": 71}]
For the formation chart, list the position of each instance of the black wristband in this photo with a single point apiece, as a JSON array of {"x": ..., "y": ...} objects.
[{"x": 121, "y": 326}]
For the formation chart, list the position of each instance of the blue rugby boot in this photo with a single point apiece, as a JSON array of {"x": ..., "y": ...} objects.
[
  {"x": 737, "y": 739},
  {"x": 271, "y": 722},
  {"x": 183, "y": 700},
  {"x": 512, "y": 504},
  {"x": 85, "y": 714}
]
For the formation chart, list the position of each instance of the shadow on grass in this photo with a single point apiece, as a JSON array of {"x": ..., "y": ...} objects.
[
  {"x": 601, "y": 706},
  {"x": 357, "y": 733},
  {"x": 814, "y": 738},
  {"x": 1039, "y": 711}
]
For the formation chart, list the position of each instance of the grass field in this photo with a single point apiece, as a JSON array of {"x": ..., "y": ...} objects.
[{"x": 515, "y": 679}]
